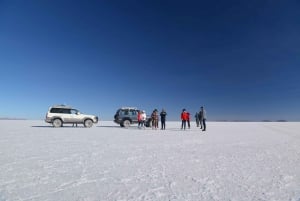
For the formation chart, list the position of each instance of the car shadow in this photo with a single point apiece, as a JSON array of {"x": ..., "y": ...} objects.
[
  {"x": 108, "y": 126},
  {"x": 59, "y": 127},
  {"x": 41, "y": 126}
]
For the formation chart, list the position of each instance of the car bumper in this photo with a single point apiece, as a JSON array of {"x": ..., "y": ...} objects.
[{"x": 48, "y": 120}]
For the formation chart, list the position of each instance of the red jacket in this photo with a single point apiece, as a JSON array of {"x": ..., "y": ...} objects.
[
  {"x": 184, "y": 116},
  {"x": 139, "y": 116}
]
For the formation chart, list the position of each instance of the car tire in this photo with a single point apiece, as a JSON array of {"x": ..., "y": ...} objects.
[
  {"x": 126, "y": 123},
  {"x": 57, "y": 123},
  {"x": 88, "y": 123}
]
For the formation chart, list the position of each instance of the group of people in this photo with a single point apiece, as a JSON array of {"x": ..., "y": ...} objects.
[
  {"x": 185, "y": 119},
  {"x": 154, "y": 119},
  {"x": 200, "y": 119}
]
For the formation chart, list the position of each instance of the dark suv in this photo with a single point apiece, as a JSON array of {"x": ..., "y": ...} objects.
[{"x": 126, "y": 116}]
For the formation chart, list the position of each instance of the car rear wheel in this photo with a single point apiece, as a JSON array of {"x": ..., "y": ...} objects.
[
  {"x": 57, "y": 123},
  {"x": 88, "y": 123},
  {"x": 126, "y": 123}
]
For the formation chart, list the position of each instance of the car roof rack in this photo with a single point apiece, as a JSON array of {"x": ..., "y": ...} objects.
[
  {"x": 128, "y": 108},
  {"x": 62, "y": 106}
]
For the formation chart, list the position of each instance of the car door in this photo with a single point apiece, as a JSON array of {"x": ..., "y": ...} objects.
[
  {"x": 133, "y": 114},
  {"x": 75, "y": 116},
  {"x": 66, "y": 115}
]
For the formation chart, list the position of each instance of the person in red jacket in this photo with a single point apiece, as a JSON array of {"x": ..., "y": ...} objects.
[
  {"x": 184, "y": 118},
  {"x": 139, "y": 118},
  {"x": 188, "y": 119}
]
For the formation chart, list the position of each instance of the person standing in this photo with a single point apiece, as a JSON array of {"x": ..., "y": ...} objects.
[
  {"x": 203, "y": 116},
  {"x": 163, "y": 115},
  {"x": 200, "y": 117},
  {"x": 143, "y": 118},
  {"x": 155, "y": 118},
  {"x": 197, "y": 119},
  {"x": 188, "y": 119},
  {"x": 139, "y": 118},
  {"x": 183, "y": 119}
]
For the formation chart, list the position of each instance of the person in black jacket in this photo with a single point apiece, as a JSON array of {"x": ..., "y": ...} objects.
[
  {"x": 202, "y": 117},
  {"x": 163, "y": 115},
  {"x": 197, "y": 119}
]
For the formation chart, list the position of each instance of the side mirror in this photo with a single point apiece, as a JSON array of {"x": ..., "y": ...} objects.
[{"x": 78, "y": 113}]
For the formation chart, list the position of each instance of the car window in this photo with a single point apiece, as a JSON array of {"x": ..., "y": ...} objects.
[
  {"x": 74, "y": 111},
  {"x": 55, "y": 110},
  {"x": 66, "y": 111},
  {"x": 60, "y": 110}
]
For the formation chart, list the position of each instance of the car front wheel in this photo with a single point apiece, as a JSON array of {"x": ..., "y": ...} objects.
[
  {"x": 88, "y": 123},
  {"x": 126, "y": 123}
]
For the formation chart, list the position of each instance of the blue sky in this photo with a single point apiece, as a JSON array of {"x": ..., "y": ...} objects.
[{"x": 239, "y": 59}]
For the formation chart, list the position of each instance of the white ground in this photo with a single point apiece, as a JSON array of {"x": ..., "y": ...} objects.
[{"x": 229, "y": 162}]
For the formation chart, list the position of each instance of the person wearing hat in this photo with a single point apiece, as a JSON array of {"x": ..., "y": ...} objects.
[
  {"x": 184, "y": 118},
  {"x": 188, "y": 119}
]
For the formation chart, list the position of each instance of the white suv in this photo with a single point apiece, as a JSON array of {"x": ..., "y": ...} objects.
[{"x": 58, "y": 115}]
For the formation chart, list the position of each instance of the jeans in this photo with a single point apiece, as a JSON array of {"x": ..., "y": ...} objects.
[
  {"x": 204, "y": 124},
  {"x": 141, "y": 124},
  {"x": 163, "y": 125},
  {"x": 183, "y": 124}
]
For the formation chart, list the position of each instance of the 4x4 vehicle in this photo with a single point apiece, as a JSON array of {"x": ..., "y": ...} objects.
[
  {"x": 58, "y": 115},
  {"x": 126, "y": 116}
]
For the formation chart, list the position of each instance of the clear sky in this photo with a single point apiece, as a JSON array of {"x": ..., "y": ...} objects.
[{"x": 239, "y": 59}]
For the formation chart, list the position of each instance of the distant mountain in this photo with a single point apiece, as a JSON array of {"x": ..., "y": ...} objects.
[
  {"x": 266, "y": 120},
  {"x": 11, "y": 118}
]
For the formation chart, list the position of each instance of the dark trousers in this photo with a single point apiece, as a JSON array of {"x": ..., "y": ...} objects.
[
  {"x": 197, "y": 122},
  {"x": 163, "y": 124},
  {"x": 183, "y": 124},
  {"x": 204, "y": 124}
]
